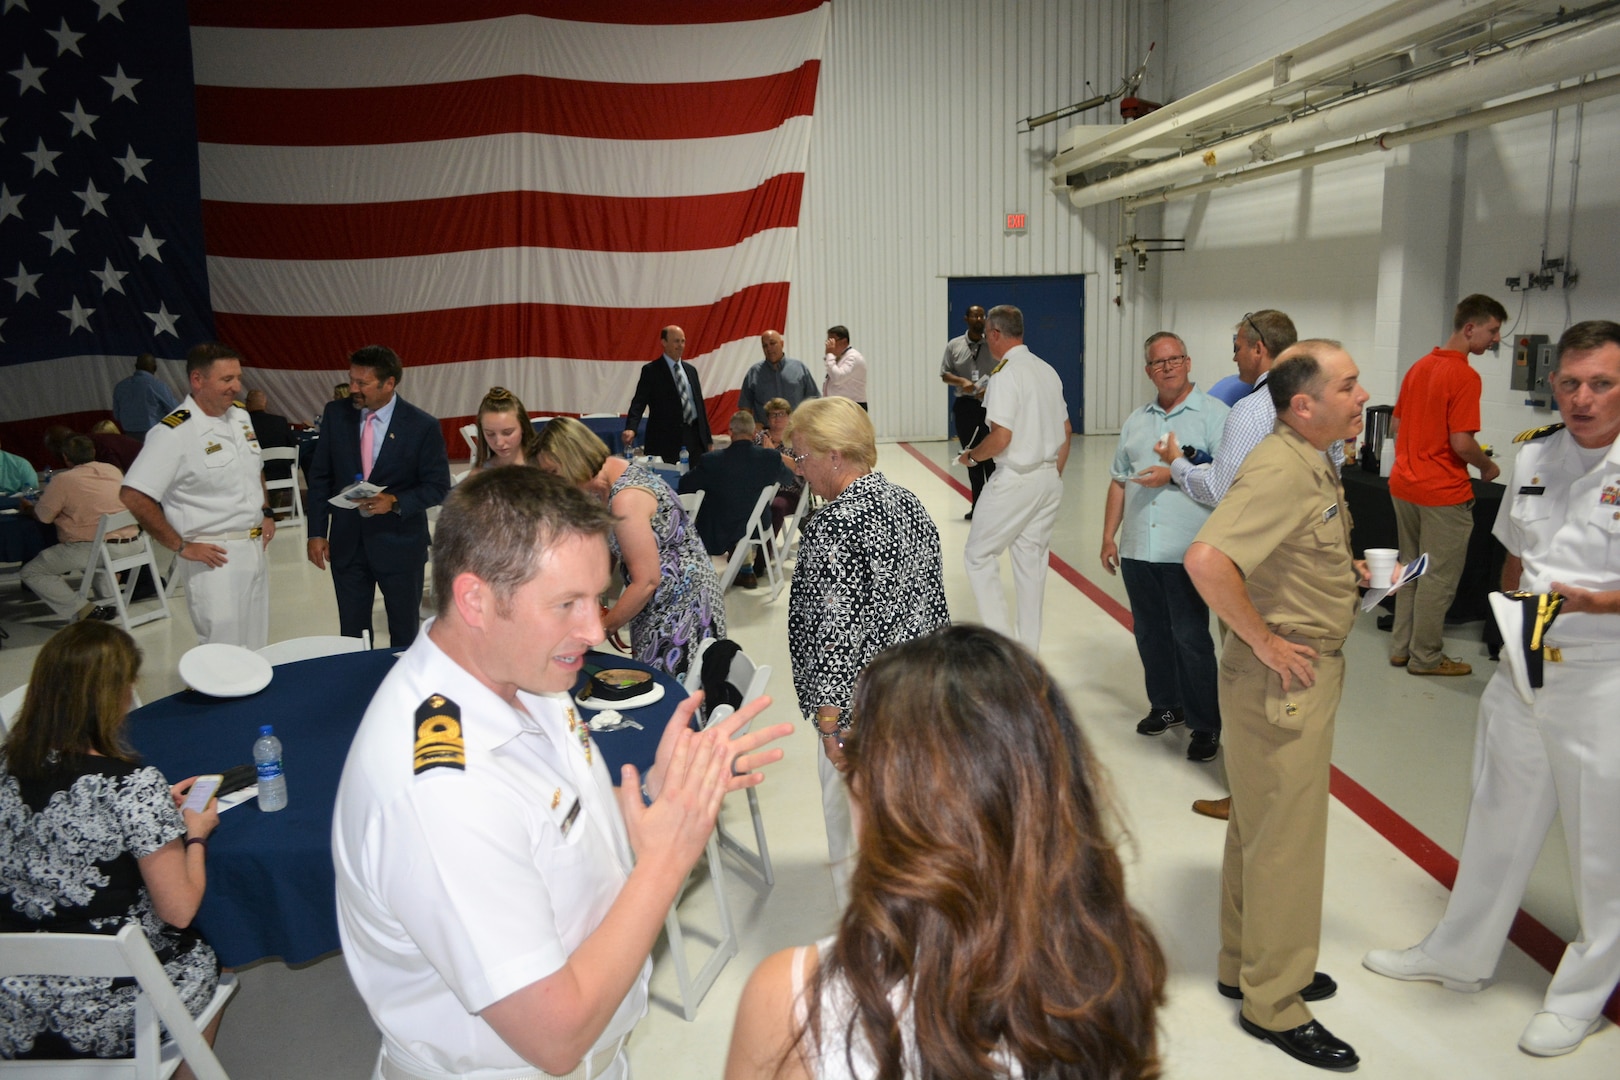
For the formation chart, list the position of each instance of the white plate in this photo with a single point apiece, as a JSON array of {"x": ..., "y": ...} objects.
[{"x": 225, "y": 670}]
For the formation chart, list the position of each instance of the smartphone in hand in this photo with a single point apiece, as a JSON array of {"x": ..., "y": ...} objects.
[{"x": 201, "y": 791}]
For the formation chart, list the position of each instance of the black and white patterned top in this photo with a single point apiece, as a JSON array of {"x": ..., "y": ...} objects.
[
  {"x": 69, "y": 845},
  {"x": 869, "y": 576}
]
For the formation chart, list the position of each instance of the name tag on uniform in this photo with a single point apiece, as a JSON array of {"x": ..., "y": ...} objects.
[
  {"x": 1533, "y": 489},
  {"x": 213, "y": 448},
  {"x": 1330, "y": 513}
]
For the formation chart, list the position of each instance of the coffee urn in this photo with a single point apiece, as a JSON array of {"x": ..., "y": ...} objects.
[{"x": 1373, "y": 434}]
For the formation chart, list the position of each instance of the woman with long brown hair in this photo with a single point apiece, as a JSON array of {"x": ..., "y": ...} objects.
[
  {"x": 93, "y": 840},
  {"x": 988, "y": 933}
]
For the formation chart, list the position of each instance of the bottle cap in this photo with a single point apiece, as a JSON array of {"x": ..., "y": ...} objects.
[{"x": 266, "y": 729}]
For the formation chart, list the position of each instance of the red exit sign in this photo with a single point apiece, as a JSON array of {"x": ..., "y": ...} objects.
[{"x": 1016, "y": 222}]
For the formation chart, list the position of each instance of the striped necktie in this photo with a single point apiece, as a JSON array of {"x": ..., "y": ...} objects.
[{"x": 688, "y": 412}]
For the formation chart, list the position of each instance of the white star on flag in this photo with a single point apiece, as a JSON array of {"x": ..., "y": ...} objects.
[
  {"x": 122, "y": 85},
  {"x": 77, "y": 316},
  {"x": 95, "y": 202},
  {"x": 66, "y": 40},
  {"x": 60, "y": 238},
  {"x": 16, "y": 4},
  {"x": 162, "y": 321},
  {"x": 9, "y": 203},
  {"x": 80, "y": 120},
  {"x": 45, "y": 160},
  {"x": 110, "y": 7},
  {"x": 24, "y": 281},
  {"x": 28, "y": 77},
  {"x": 111, "y": 279},
  {"x": 147, "y": 244},
  {"x": 133, "y": 166}
]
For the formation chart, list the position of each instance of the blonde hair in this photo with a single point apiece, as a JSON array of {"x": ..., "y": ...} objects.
[
  {"x": 576, "y": 449},
  {"x": 834, "y": 425}
]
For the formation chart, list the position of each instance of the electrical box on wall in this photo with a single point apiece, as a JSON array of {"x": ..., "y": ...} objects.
[{"x": 1532, "y": 362}]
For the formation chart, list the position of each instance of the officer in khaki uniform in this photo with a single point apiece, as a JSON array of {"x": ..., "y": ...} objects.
[{"x": 1274, "y": 562}]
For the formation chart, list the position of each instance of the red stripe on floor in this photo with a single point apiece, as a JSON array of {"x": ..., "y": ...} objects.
[{"x": 1529, "y": 934}]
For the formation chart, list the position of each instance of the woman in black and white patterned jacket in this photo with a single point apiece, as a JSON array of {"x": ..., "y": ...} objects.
[
  {"x": 91, "y": 840},
  {"x": 868, "y": 576}
]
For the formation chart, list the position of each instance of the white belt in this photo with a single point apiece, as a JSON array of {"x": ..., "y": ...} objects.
[
  {"x": 220, "y": 538},
  {"x": 1601, "y": 650},
  {"x": 592, "y": 1066},
  {"x": 1025, "y": 470}
]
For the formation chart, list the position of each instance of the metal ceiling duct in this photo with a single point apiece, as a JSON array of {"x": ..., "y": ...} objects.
[{"x": 1574, "y": 53}]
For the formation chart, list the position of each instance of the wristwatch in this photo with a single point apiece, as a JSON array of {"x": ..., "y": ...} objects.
[{"x": 267, "y": 512}]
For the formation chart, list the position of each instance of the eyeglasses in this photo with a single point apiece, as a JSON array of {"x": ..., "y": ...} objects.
[
  {"x": 798, "y": 459},
  {"x": 1248, "y": 317},
  {"x": 1167, "y": 362}
]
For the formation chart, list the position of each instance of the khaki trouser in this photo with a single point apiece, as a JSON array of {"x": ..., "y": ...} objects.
[
  {"x": 1278, "y": 750},
  {"x": 1420, "y": 608}
]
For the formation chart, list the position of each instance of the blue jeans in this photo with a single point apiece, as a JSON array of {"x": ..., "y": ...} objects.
[{"x": 1172, "y": 638}]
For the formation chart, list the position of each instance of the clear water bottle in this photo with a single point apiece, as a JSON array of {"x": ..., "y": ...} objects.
[
  {"x": 272, "y": 781},
  {"x": 685, "y": 462}
]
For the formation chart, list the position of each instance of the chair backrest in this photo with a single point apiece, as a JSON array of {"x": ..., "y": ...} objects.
[
  {"x": 693, "y": 682},
  {"x": 690, "y": 501},
  {"x": 124, "y": 955},
  {"x": 278, "y": 453},
  {"x": 308, "y": 648},
  {"x": 751, "y": 539},
  {"x": 470, "y": 433},
  {"x": 111, "y": 560},
  {"x": 12, "y": 701}
]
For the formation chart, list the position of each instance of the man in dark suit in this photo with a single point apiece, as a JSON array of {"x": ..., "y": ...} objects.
[
  {"x": 670, "y": 394},
  {"x": 383, "y": 542},
  {"x": 733, "y": 478}
]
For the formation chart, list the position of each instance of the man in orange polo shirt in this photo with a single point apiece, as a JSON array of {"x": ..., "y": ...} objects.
[
  {"x": 74, "y": 501},
  {"x": 1436, "y": 419}
]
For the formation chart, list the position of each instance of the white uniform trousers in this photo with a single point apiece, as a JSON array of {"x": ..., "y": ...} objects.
[
  {"x": 231, "y": 603},
  {"x": 603, "y": 1063},
  {"x": 1018, "y": 511},
  {"x": 840, "y": 826},
  {"x": 44, "y": 575},
  {"x": 1561, "y": 754}
]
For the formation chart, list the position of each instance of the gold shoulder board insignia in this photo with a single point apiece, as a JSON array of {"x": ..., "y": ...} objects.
[
  {"x": 238, "y": 405},
  {"x": 438, "y": 736},
  {"x": 1537, "y": 433},
  {"x": 176, "y": 418}
]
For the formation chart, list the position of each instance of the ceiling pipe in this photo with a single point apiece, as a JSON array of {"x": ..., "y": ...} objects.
[
  {"x": 1392, "y": 28},
  {"x": 1572, "y": 54},
  {"x": 1389, "y": 140}
]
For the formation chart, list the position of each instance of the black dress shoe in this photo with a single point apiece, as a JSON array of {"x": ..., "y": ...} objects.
[
  {"x": 1311, "y": 1043},
  {"x": 968, "y": 516},
  {"x": 1322, "y": 987}
]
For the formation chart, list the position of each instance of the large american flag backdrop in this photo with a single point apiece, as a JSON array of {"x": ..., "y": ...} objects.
[{"x": 507, "y": 192}]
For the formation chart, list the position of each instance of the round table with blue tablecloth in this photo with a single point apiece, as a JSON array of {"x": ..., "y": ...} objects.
[{"x": 271, "y": 887}]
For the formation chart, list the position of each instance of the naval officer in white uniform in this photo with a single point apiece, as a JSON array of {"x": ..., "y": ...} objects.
[{"x": 198, "y": 490}]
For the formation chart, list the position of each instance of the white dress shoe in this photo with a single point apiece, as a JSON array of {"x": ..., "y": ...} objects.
[
  {"x": 1549, "y": 1034},
  {"x": 1415, "y": 965}
]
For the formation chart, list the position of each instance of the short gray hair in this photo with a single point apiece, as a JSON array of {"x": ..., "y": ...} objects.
[{"x": 1007, "y": 319}]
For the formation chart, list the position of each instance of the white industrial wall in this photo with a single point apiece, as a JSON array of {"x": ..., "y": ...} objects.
[
  {"x": 1337, "y": 246},
  {"x": 914, "y": 160}
]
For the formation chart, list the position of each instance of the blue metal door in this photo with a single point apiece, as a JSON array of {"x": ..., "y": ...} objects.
[{"x": 1054, "y": 325}]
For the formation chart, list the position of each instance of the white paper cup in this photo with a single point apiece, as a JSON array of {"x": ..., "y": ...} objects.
[{"x": 1381, "y": 565}]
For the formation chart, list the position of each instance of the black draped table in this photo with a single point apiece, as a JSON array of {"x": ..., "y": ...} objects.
[
  {"x": 21, "y": 537},
  {"x": 271, "y": 887},
  {"x": 1372, "y": 513}
]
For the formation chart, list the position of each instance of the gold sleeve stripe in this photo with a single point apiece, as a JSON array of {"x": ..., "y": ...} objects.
[{"x": 438, "y": 736}]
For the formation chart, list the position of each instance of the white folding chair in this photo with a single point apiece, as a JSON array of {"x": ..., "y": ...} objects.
[
  {"x": 112, "y": 557},
  {"x": 789, "y": 539},
  {"x": 470, "y": 433},
  {"x": 10, "y": 702},
  {"x": 285, "y": 453},
  {"x": 308, "y": 648},
  {"x": 757, "y": 537},
  {"x": 749, "y": 680},
  {"x": 126, "y": 955},
  {"x": 690, "y": 501}
]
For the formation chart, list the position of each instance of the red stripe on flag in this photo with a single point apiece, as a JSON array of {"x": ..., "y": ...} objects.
[
  {"x": 325, "y": 15},
  {"x": 502, "y": 330},
  {"x": 501, "y": 219},
  {"x": 360, "y": 116}
]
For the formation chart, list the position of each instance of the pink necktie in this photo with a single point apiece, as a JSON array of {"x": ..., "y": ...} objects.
[{"x": 367, "y": 440}]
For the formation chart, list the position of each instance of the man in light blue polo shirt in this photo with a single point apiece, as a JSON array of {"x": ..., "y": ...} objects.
[{"x": 1160, "y": 520}]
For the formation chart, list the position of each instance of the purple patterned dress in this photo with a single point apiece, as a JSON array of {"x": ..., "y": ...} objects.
[{"x": 688, "y": 605}]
